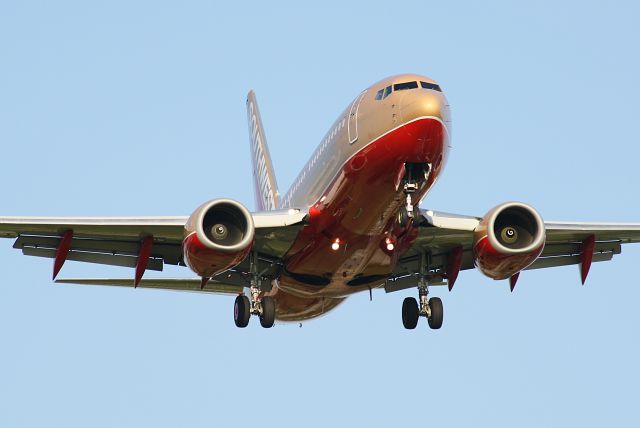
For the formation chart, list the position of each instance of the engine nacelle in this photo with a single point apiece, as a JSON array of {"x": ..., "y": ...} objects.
[
  {"x": 509, "y": 238},
  {"x": 219, "y": 236}
]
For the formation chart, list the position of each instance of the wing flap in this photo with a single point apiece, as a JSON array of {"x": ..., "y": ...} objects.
[
  {"x": 176, "y": 284},
  {"x": 547, "y": 262},
  {"x": 169, "y": 253},
  {"x": 97, "y": 258},
  {"x": 575, "y": 248}
]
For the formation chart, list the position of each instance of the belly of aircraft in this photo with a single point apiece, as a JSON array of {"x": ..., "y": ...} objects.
[{"x": 343, "y": 249}]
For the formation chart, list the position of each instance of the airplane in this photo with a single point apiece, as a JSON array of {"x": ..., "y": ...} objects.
[{"x": 351, "y": 222}]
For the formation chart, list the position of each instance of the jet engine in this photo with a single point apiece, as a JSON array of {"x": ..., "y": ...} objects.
[
  {"x": 509, "y": 238},
  {"x": 219, "y": 236}
]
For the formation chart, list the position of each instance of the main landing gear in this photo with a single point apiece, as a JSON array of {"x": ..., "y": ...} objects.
[
  {"x": 265, "y": 308},
  {"x": 262, "y": 306},
  {"x": 431, "y": 309}
]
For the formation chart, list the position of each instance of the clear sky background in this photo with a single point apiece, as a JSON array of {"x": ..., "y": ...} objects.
[{"x": 138, "y": 108}]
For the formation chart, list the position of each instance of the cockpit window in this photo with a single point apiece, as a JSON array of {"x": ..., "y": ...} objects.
[
  {"x": 404, "y": 86},
  {"x": 387, "y": 91},
  {"x": 379, "y": 94},
  {"x": 433, "y": 86}
]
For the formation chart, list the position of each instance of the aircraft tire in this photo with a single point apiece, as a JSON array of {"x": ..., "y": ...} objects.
[
  {"x": 403, "y": 217},
  {"x": 242, "y": 311},
  {"x": 437, "y": 313},
  {"x": 410, "y": 313},
  {"x": 268, "y": 316}
]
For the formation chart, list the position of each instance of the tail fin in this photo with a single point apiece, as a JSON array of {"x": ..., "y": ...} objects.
[{"x": 265, "y": 187}]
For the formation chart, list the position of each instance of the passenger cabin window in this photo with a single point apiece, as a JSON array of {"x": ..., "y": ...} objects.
[
  {"x": 379, "y": 94},
  {"x": 405, "y": 86},
  {"x": 433, "y": 86}
]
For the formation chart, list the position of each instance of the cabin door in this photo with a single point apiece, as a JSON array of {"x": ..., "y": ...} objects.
[{"x": 352, "y": 126}]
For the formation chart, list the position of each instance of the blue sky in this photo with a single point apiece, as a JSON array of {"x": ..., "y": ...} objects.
[{"x": 137, "y": 108}]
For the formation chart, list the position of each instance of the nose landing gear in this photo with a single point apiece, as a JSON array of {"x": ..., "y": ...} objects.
[{"x": 415, "y": 174}]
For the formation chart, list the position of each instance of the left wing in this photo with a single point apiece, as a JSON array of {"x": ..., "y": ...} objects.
[
  {"x": 119, "y": 241},
  {"x": 440, "y": 233},
  {"x": 178, "y": 284},
  {"x": 111, "y": 241}
]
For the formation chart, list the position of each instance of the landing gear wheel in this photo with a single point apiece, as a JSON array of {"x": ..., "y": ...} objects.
[
  {"x": 437, "y": 313},
  {"x": 410, "y": 313},
  {"x": 268, "y": 315},
  {"x": 241, "y": 311}
]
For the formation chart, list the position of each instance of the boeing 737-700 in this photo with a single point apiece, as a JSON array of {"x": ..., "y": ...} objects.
[{"x": 350, "y": 222}]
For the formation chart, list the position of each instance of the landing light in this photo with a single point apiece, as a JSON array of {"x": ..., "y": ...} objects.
[
  {"x": 389, "y": 243},
  {"x": 335, "y": 245}
]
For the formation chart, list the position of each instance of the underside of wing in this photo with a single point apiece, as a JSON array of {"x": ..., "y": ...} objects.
[
  {"x": 176, "y": 284},
  {"x": 115, "y": 241},
  {"x": 439, "y": 235},
  {"x": 443, "y": 236},
  {"x": 126, "y": 241}
]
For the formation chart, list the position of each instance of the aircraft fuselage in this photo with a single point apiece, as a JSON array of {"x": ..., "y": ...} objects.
[{"x": 353, "y": 186}]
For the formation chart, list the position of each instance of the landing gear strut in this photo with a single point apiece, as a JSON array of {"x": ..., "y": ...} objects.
[
  {"x": 262, "y": 306},
  {"x": 409, "y": 189},
  {"x": 415, "y": 174},
  {"x": 431, "y": 309}
]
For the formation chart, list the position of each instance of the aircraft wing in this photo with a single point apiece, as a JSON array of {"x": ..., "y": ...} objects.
[
  {"x": 118, "y": 240},
  {"x": 221, "y": 286},
  {"x": 440, "y": 233}
]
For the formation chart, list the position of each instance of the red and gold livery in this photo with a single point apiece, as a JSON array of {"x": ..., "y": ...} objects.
[
  {"x": 508, "y": 239},
  {"x": 350, "y": 222},
  {"x": 218, "y": 236}
]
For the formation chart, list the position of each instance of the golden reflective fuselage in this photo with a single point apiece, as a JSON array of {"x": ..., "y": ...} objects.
[{"x": 351, "y": 186}]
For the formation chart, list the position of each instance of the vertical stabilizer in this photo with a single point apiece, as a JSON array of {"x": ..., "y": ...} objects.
[{"x": 265, "y": 187}]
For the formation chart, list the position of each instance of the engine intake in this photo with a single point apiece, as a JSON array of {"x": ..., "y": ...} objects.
[
  {"x": 509, "y": 238},
  {"x": 219, "y": 236}
]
